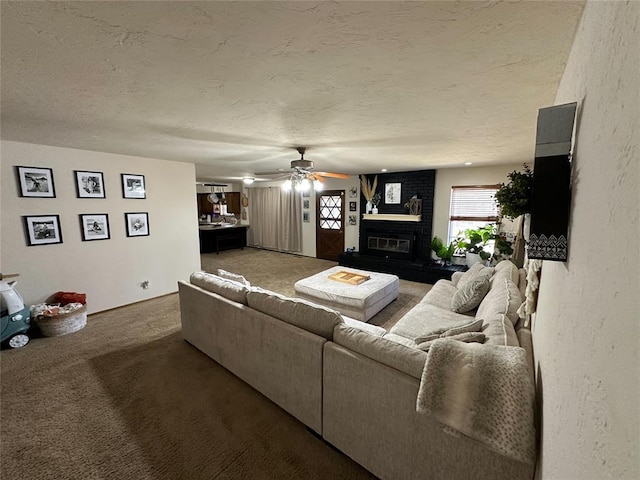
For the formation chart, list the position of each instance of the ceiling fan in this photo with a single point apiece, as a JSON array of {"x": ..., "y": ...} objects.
[{"x": 302, "y": 174}]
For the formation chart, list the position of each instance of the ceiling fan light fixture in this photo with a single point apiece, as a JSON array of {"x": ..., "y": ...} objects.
[
  {"x": 286, "y": 186},
  {"x": 248, "y": 180},
  {"x": 317, "y": 186}
]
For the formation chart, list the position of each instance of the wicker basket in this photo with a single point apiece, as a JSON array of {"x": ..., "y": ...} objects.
[{"x": 64, "y": 323}]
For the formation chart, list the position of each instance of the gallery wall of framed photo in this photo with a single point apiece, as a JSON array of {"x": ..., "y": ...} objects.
[
  {"x": 38, "y": 182},
  {"x": 96, "y": 222}
]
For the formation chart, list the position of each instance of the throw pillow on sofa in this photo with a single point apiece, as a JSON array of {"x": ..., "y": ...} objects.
[
  {"x": 467, "y": 337},
  {"x": 233, "y": 276},
  {"x": 471, "y": 293},
  {"x": 471, "y": 326},
  {"x": 469, "y": 275}
]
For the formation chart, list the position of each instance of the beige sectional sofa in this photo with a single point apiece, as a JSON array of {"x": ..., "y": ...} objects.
[{"x": 401, "y": 403}]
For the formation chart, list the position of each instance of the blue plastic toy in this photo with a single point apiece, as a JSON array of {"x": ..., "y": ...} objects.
[{"x": 15, "y": 316}]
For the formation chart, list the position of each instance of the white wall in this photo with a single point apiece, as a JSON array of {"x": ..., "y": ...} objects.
[
  {"x": 449, "y": 177},
  {"x": 108, "y": 271},
  {"x": 586, "y": 331}
]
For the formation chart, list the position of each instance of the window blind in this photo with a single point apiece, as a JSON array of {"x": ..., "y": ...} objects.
[{"x": 474, "y": 203}]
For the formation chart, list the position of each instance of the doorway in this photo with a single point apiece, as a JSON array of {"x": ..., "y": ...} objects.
[{"x": 330, "y": 224}]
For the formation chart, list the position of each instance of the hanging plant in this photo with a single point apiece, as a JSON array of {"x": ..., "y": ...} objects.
[{"x": 514, "y": 198}]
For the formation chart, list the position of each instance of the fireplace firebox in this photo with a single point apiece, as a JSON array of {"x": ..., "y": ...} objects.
[{"x": 389, "y": 245}]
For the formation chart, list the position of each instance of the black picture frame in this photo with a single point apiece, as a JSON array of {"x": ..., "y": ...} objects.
[
  {"x": 36, "y": 182},
  {"x": 353, "y": 206},
  {"x": 392, "y": 193},
  {"x": 42, "y": 229},
  {"x": 133, "y": 186},
  {"x": 89, "y": 184},
  {"x": 94, "y": 226},
  {"x": 137, "y": 224}
]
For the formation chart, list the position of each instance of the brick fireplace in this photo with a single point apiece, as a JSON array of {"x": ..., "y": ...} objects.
[
  {"x": 419, "y": 183},
  {"x": 400, "y": 246}
]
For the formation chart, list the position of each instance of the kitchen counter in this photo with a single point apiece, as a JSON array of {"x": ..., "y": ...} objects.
[
  {"x": 211, "y": 226},
  {"x": 216, "y": 237}
]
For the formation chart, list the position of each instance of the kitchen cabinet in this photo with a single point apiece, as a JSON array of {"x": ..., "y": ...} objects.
[{"x": 205, "y": 207}]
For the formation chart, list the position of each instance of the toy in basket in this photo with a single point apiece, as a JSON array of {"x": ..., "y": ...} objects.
[{"x": 64, "y": 313}]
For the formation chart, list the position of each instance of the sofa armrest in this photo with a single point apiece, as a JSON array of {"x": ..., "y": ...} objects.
[{"x": 455, "y": 278}]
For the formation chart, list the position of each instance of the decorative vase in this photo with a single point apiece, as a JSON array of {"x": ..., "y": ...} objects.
[
  {"x": 369, "y": 206},
  {"x": 472, "y": 259},
  {"x": 374, "y": 210}
]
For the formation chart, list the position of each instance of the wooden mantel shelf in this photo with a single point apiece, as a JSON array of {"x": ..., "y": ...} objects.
[{"x": 392, "y": 217}]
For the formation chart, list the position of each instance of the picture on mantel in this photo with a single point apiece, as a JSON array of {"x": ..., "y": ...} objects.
[{"x": 392, "y": 193}]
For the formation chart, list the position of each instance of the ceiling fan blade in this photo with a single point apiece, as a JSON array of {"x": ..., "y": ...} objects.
[
  {"x": 275, "y": 172},
  {"x": 315, "y": 176},
  {"x": 333, "y": 175}
]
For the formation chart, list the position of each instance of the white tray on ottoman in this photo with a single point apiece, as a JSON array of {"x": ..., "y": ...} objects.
[{"x": 361, "y": 301}]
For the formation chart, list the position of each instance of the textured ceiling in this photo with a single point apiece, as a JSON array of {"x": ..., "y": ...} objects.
[{"x": 232, "y": 86}]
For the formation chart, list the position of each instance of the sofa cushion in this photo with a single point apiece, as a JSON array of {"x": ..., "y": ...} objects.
[
  {"x": 407, "y": 342},
  {"x": 467, "y": 337},
  {"x": 499, "y": 330},
  {"x": 440, "y": 294},
  {"x": 506, "y": 267},
  {"x": 233, "y": 276},
  {"x": 367, "y": 327},
  {"x": 503, "y": 298},
  {"x": 227, "y": 288},
  {"x": 395, "y": 355},
  {"x": 425, "y": 319},
  {"x": 471, "y": 293},
  {"x": 295, "y": 311},
  {"x": 470, "y": 326}
]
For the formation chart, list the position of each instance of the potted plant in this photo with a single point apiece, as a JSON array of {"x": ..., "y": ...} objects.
[
  {"x": 473, "y": 241},
  {"x": 503, "y": 249},
  {"x": 443, "y": 252},
  {"x": 368, "y": 191},
  {"x": 514, "y": 198}
]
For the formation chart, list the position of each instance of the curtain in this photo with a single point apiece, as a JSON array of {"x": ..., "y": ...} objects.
[{"x": 276, "y": 219}]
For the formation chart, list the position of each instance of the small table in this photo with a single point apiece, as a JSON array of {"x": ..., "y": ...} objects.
[{"x": 361, "y": 301}]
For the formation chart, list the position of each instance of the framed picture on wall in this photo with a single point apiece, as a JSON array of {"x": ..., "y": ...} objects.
[
  {"x": 89, "y": 184},
  {"x": 306, "y": 194},
  {"x": 36, "y": 182},
  {"x": 42, "y": 229},
  {"x": 353, "y": 192},
  {"x": 305, "y": 217},
  {"x": 305, "y": 204},
  {"x": 392, "y": 193},
  {"x": 137, "y": 224},
  {"x": 133, "y": 186},
  {"x": 352, "y": 219},
  {"x": 94, "y": 226},
  {"x": 353, "y": 206}
]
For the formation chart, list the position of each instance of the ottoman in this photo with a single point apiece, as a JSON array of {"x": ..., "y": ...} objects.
[{"x": 361, "y": 301}]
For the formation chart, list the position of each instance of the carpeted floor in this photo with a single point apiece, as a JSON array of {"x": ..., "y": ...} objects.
[{"x": 127, "y": 398}]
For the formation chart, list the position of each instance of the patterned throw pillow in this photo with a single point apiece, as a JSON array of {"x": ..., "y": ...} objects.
[
  {"x": 233, "y": 276},
  {"x": 466, "y": 337},
  {"x": 472, "y": 326},
  {"x": 471, "y": 293}
]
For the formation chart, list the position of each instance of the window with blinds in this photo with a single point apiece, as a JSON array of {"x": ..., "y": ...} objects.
[{"x": 472, "y": 207}]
